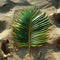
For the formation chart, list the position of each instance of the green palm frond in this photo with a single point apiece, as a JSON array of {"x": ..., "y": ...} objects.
[{"x": 30, "y": 27}]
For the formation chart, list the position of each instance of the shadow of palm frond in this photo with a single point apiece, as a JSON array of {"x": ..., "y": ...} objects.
[
  {"x": 55, "y": 3},
  {"x": 6, "y": 7},
  {"x": 2, "y": 25},
  {"x": 45, "y": 6}
]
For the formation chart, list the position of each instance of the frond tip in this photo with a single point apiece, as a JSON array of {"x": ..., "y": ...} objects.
[{"x": 30, "y": 28}]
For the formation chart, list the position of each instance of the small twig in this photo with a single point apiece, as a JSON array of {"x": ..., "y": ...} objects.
[{"x": 39, "y": 56}]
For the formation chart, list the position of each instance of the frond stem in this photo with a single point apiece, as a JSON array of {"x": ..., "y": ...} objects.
[{"x": 29, "y": 35}]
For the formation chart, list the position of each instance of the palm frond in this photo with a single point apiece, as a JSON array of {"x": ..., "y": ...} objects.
[{"x": 30, "y": 27}]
